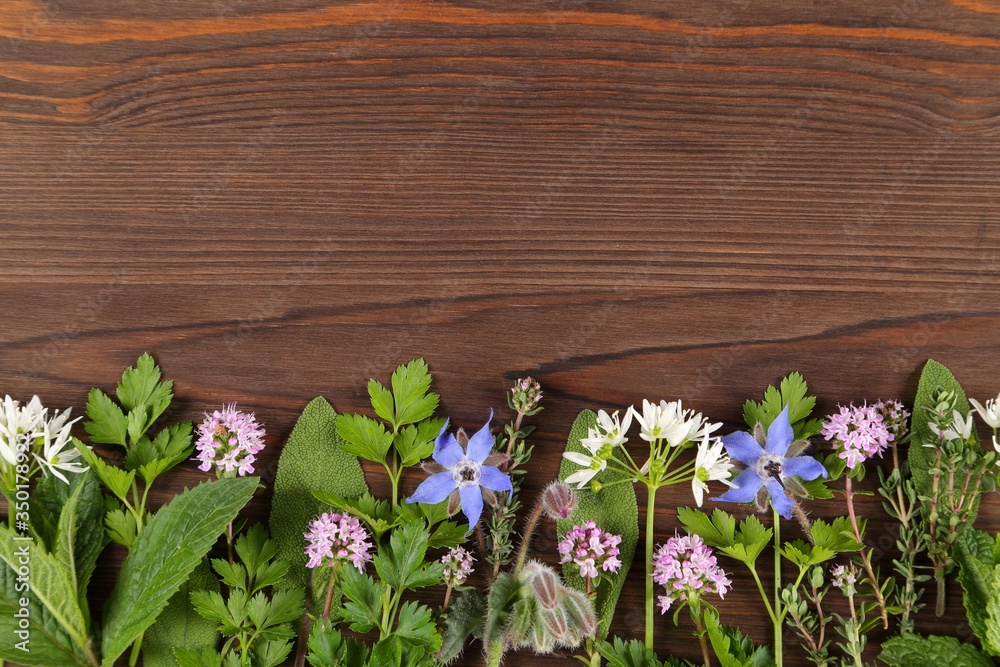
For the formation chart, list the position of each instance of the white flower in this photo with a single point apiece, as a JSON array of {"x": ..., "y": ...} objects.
[
  {"x": 591, "y": 466},
  {"x": 671, "y": 422},
  {"x": 58, "y": 451},
  {"x": 610, "y": 431},
  {"x": 18, "y": 425},
  {"x": 711, "y": 464},
  {"x": 960, "y": 428},
  {"x": 989, "y": 414}
]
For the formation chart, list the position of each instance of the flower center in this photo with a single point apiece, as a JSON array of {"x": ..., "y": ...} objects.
[
  {"x": 466, "y": 473},
  {"x": 770, "y": 465}
]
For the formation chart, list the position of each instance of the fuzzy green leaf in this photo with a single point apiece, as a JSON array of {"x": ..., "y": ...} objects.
[
  {"x": 974, "y": 554},
  {"x": 466, "y": 618},
  {"x": 166, "y": 552},
  {"x": 917, "y": 651},
  {"x": 614, "y": 509},
  {"x": 934, "y": 377},
  {"x": 106, "y": 424},
  {"x": 313, "y": 459},
  {"x": 179, "y": 625}
]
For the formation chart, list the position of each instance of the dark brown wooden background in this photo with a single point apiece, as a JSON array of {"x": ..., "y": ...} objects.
[{"x": 622, "y": 199}]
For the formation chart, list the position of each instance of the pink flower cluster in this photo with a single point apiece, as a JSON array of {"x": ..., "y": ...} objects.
[
  {"x": 857, "y": 433},
  {"x": 525, "y": 394},
  {"x": 687, "y": 569},
  {"x": 334, "y": 539},
  {"x": 895, "y": 417},
  {"x": 457, "y": 566},
  {"x": 229, "y": 440},
  {"x": 591, "y": 549}
]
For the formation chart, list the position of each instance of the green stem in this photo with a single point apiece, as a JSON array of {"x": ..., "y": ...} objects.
[
  {"x": 650, "y": 608},
  {"x": 522, "y": 554},
  {"x": 494, "y": 654},
  {"x": 778, "y": 652},
  {"x": 133, "y": 657},
  {"x": 763, "y": 594}
]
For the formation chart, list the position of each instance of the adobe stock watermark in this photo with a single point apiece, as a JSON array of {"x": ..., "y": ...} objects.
[{"x": 20, "y": 506}]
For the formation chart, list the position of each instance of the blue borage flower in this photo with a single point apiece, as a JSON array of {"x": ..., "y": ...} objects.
[
  {"x": 771, "y": 464},
  {"x": 465, "y": 472}
]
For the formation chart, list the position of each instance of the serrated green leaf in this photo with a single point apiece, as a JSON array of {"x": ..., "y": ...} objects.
[
  {"x": 53, "y": 582},
  {"x": 364, "y": 437},
  {"x": 118, "y": 481},
  {"x": 400, "y": 564},
  {"x": 141, "y": 387},
  {"x": 207, "y": 658},
  {"x": 106, "y": 424},
  {"x": 381, "y": 399},
  {"x": 991, "y": 638},
  {"x": 410, "y": 385},
  {"x": 328, "y": 648},
  {"x": 312, "y": 460},
  {"x": 121, "y": 527},
  {"x": 717, "y": 530},
  {"x": 165, "y": 553},
  {"x": 174, "y": 442},
  {"x": 416, "y": 626},
  {"x": 917, "y": 651},
  {"x": 416, "y": 443},
  {"x": 49, "y": 645},
  {"x": 387, "y": 652},
  {"x": 836, "y": 536},
  {"x": 793, "y": 392},
  {"x": 614, "y": 509},
  {"x": 179, "y": 625},
  {"x": 466, "y": 618},
  {"x": 974, "y": 554},
  {"x": 363, "y": 609},
  {"x": 447, "y": 534}
]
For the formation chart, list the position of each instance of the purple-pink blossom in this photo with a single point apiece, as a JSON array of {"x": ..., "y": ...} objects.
[
  {"x": 857, "y": 433},
  {"x": 896, "y": 418},
  {"x": 334, "y": 539},
  {"x": 457, "y": 566},
  {"x": 687, "y": 569},
  {"x": 229, "y": 440},
  {"x": 592, "y": 550}
]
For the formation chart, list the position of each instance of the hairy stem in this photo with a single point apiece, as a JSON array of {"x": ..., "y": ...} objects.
[{"x": 522, "y": 554}]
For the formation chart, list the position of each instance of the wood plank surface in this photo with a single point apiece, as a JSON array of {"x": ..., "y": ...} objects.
[{"x": 622, "y": 199}]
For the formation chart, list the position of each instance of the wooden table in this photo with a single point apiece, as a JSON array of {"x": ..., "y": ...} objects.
[{"x": 623, "y": 200}]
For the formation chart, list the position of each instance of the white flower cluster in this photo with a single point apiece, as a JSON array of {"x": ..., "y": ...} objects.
[{"x": 29, "y": 436}]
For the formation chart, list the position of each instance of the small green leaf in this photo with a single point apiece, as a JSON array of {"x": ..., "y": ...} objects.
[
  {"x": 381, "y": 401},
  {"x": 141, "y": 387},
  {"x": 400, "y": 564},
  {"x": 117, "y": 480},
  {"x": 410, "y": 385},
  {"x": 106, "y": 423},
  {"x": 165, "y": 553},
  {"x": 466, "y": 618},
  {"x": 836, "y": 536},
  {"x": 363, "y": 609},
  {"x": 416, "y": 626},
  {"x": 364, "y": 437},
  {"x": 717, "y": 530}
]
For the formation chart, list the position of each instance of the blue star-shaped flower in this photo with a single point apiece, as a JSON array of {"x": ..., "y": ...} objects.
[
  {"x": 770, "y": 465},
  {"x": 463, "y": 471}
]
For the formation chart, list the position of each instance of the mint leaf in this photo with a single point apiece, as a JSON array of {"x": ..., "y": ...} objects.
[
  {"x": 916, "y": 651},
  {"x": 614, "y": 509},
  {"x": 410, "y": 385},
  {"x": 364, "y": 437},
  {"x": 313, "y": 459},
  {"x": 974, "y": 554},
  {"x": 179, "y": 625},
  {"x": 106, "y": 423},
  {"x": 165, "y": 553}
]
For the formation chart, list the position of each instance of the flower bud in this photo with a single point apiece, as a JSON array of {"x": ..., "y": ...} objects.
[
  {"x": 544, "y": 582},
  {"x": 525, "y": 395},
  {"x": 558, "y": 501},
  {"x": 579, "y": 613},
  {"x": 555, "y": 623}
]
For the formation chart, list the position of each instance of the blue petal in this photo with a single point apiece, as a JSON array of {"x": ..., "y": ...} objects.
[
  {"x": 805, "y": 467},
  {"x": 782, "y": 504},
  {"x": 447, "y": 451},
  {"x": 779, "y": 434},
  {"x": 434, "y": 489},
  {"x": 494, "y": 480},
  {"x": 745, "y": 488},
  {"x": 742, "y": 447},
  {"x": 472, "y": 503},
  {"x": 481, "y": 443}
]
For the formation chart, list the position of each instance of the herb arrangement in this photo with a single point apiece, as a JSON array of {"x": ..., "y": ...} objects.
[{"x": 342, "y": 576}]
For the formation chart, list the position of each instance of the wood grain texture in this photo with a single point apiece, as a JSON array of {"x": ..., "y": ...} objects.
[{"x": 622, "y": 199}]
